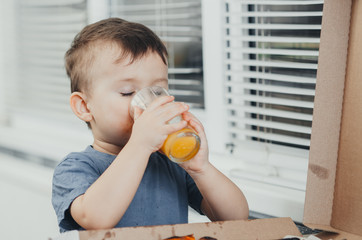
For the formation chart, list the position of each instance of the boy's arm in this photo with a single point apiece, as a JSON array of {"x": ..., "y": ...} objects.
[
  {"x": 107, "y": 199},
  {"x": 222, "y": 199}
]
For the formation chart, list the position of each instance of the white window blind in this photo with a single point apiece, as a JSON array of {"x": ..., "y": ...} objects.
[
  {"x": 178, "y": 24},
  {"x": 39, "y": 86},
  {"x": 271, "y": 55}
]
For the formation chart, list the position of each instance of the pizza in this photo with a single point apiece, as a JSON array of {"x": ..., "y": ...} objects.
[{"x": 189, "y": 237}]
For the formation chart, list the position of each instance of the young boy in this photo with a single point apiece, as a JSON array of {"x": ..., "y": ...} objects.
[{"x": 121, "y": 179}]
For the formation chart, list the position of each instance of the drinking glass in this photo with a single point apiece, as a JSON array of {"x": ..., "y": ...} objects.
[{"x": 179, "y": 146}]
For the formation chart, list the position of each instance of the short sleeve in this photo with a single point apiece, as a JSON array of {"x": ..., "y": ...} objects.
[
  {"x": 194, "y": 195},
  {"x": 72, "y": 177}
]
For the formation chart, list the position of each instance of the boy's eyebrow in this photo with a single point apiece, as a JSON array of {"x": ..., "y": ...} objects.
[{"x": 161, "y": 80}]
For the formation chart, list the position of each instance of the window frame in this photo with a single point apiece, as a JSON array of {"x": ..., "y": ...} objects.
[{"x": 22, "y": 136}]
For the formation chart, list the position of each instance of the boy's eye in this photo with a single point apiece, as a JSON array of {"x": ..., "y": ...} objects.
[{"x": 127, "y": 94}]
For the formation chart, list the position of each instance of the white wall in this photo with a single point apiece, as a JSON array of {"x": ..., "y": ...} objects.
[
  {"x": 25, "y": 201},
  {"x": 25, "y": 188},
  {"x": 2, "y": 60}
]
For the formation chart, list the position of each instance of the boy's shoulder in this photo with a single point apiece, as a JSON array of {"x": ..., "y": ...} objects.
[
  {"x": 86, "y": 155},
  {"x": 90, "y": 153},
  {"x": 89, "y": 157}
]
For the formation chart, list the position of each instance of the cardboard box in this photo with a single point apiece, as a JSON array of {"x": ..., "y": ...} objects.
[
  {"x": 334, "y": 187},
  {"x": 261, "y": 229}
]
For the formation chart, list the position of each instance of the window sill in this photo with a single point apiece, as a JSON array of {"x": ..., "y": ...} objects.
[
  {"x": 268, "y": 199},
  {"x": 262, "y": 197}
]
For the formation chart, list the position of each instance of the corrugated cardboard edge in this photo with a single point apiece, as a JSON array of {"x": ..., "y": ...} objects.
[
  {"x": 272, "y": 228},
  {"x": 333, "y": 234},
  {"x": 327, "y": 114}
]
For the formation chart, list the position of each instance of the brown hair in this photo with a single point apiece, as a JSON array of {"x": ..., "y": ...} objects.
[{"x": 134, "y": 39}]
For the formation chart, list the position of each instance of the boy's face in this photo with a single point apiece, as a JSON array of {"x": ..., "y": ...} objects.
[{"x": 114, "y": 83}]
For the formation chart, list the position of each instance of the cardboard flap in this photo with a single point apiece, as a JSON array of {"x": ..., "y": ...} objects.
[
  {"x": 274, "y": 228},
  {"x": 327, "y": 112},
  {"x": 334, "y": 188},
  {"x": 347, "y": 206}
]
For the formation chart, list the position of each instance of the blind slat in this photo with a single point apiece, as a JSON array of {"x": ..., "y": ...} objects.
[
  {"x": 180, "y": 29},
  {"x": 143, "y": 7},
  {"x": 184, "y": 70},
  {"x": 272, "y": 39},
  {"x": 54, "y": 38},
  {"x": 36, "y": 18},
  {"x": 242, "y": 50},
  {"x": 44, "y": 62},
  {"x": 280, "y": 2},
  {"x": 46, "y": 45},
  {"x": 180, "y": 39},
  {"x": 61, "y": 82},
  {"x": 272, "y": 136},
  {"x": 276, "y": 26},
  {"x": 45, "y": 99},
  {"x": 177, "y": 92},
  {"x": 270, "y": 100},
  {"x": 271, "y": 112},
  {"x": 184, "y": 82},
  {"x": 43, "y": 53},
  {"x": 275, "y": 14},
  {"x": 279, "y": 64},
  {"x": 271, "y": 88},
  {"x": 53, "y": 28},
  {"x": 49, "y": 107},
  {"x": 272, "y": 125},
  {"x": 60, "y": 92},
  {"x": 33, "y": 70},
  {"x": 271, "y": 76},
  {"x": 164, "y": 17},
  {"x": 47, "y": 3}
]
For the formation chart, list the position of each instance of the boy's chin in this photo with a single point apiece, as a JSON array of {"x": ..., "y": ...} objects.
[{"x": 122, "y": 142}]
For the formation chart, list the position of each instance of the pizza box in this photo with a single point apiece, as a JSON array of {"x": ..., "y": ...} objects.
[
  {"x": 334, "y": 185},
  {"x": 261, "y": 229}
]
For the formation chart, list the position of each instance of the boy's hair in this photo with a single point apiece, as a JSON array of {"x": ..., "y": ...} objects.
[{"x": 134, "y": 40}]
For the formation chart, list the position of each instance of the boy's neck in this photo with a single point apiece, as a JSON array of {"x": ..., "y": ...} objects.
[{"x": 106, "y": 147}]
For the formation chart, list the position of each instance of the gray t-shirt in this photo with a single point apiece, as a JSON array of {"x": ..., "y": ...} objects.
[{"x": 162, "y": 197}]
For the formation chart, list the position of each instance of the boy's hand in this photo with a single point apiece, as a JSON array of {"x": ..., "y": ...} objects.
[
  {"x": 198, "y": 164},
  {"x": 216, "y": 189},
  {"x": 151, "y": 128}
]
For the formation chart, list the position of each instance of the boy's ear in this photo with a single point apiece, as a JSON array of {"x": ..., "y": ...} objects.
[{"x": 79, "y": 106}]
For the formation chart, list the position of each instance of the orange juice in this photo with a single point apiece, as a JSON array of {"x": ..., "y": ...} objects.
[{"x": 182, "y": 145}]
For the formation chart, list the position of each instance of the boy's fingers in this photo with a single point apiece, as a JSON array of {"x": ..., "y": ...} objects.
[
  {"x": 197, "y": 126},
  {"x": 137, "y": 111},
  {"x": 171, "y": 110},
  {"x": 171, "y": 128},
  {"x": 189, "y": 116}
]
